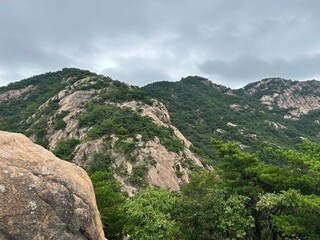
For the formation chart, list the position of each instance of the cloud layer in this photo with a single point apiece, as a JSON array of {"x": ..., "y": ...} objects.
[{"x": 231, "y": 42}]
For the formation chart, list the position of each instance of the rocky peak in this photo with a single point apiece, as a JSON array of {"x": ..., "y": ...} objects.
[
  {"x": 43, "y": 197},
  {"x": 203, "y": 81},
  {"x": 163, "y": 160},
  {"x": 298, "y": 98},
  {"x": 275, "y": 85},
  {"x": 13, "y": 94}
]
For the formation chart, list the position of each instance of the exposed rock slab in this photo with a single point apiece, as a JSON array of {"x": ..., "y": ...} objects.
[
  {"x": 299, "y": 98},
  {"x": 13, "y": 94},
  {"x": 43, "y": 197}
]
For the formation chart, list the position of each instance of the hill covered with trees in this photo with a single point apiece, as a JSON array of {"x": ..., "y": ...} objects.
[
  {"x": 251, "y": 116},
  {"x": 182, "y": 160}
]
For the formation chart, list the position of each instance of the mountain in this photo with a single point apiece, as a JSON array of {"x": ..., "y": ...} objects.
[
  {"x": 271, "y": 112},
  {"x": 73, "y": 108},
  {"x": 294, "y": 98},
  {"x": 128, "y": 138},
  {"x": 100, "y": 124}
]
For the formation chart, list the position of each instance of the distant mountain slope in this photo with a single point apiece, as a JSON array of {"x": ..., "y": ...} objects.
[
  {"x": 100, "y": 124},
  {"x": 19, "y": 100},
  {"x": 94, "y": 114},
  {"x": 297, "y": 98},
  {"x": 203, "y": 110}
]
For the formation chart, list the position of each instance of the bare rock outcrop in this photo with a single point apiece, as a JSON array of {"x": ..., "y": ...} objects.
[
  {"x": 13, "y": 94},
  {"x": 43, "y": 197},
  {"x": 71, "y": 103},
  {"x": 299, "y": 98}
]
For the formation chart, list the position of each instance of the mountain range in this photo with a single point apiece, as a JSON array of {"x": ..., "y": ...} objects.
[
  {"x": 156, "y": 134},
  {"x": 271, "y": 112},
  {"x": 226, "y": 163}
]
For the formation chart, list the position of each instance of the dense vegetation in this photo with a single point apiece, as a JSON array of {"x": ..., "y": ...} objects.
[
  {"x": 270, "y": 191},
  {"x": 14, "y": 111},
  {"x": 243, "y": 198},
  {"x": 36, "y": 100},
  {"x": 64, "y": 148},
  {"x": 202, "y": 110},
  {"x": 105, "y": 120}
]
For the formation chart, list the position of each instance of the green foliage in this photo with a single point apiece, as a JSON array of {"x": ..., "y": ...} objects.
[
  {"x": 209, "y": 210},
  {"x": 124, "y": 123},
  {"x": 172, "y": 144},
  {"x": 211, "y": 206},
  {"x": 59, "y": 123},
  {"x": 148, "y": 215},
  {"x": 189, "y": 164},
  {"x": 15, "y": 112},
  {"x": 64, "y": 148},
  {"x": 97, "y": 82},
  {"x": 214, "y": 215},
  {"x": 110, "y": 203},
  {"x": 239, "y": 169},
  {"x": 297, "y": 170},
  {"x": 138, "y": 175},
  {"x": 291, "y": 215},
  {"x": 236, "y": 219},
  {"x": 248, "y": 199},
  {"x": 127, "y": 147},
  {"x": 201, "y": 111},
  {"x": 272, "y": 193},
  {"x": 120, "y": 92},
  {"x": 287, "y": 193},
  {"x": 39, "y": 129},
  {"x": 101, "y": 162}
]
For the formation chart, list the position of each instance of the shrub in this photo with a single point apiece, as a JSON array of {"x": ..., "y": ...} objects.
[{"x": 65, "y": 148}]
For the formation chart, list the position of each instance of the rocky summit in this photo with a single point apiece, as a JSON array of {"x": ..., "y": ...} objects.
[
  {"x": 43, "y": 197},
  {"x": 100, "y": 124}
]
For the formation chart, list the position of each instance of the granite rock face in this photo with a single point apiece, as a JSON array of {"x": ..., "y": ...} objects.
[
  {"x": 43, "y": 197},
  {"x": 299, "y": 98}
]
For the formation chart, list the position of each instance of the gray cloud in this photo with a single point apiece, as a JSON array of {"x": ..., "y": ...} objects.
[
  {"x": 137, "y": 76},
  {"x": 232, "y": 42},
  {"x": 253, "y": 67}
]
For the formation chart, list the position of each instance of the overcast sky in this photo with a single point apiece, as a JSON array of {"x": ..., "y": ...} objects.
[{"x": 231, "y": 42}]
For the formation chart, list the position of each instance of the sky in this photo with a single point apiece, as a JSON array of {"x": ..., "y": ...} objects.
[{"x": 230, "y": 42}]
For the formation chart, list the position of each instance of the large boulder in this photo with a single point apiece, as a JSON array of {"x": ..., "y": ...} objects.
[{"x": 43, "y": 197}]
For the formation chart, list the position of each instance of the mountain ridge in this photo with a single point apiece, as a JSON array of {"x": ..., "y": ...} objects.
[
  {"x": 259, "y": 114},
  {"x": 237, "y": 115},
  {"x": 128, "y": 138},
  {"x": 91, "y": 119}
]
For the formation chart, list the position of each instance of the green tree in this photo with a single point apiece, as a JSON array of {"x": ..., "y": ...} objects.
[
  {"x": 65, "y": 148},
  {"x": 238, "y": 170},
  {"x": 110, "y": 202},
  {"x": 290, "y": 215},
  {"x": 148, "y": 215}
]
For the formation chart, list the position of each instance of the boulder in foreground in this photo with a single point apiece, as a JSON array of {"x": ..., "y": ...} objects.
[{"x": 43, "y": 197}]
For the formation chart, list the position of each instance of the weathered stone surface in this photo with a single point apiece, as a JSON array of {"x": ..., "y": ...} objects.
[
  {"x": 13, "y": 94},
  {"x": 72, "y": 100},
  {"x": 298, "y": 97},
  {"x": 43, "y": 197}
]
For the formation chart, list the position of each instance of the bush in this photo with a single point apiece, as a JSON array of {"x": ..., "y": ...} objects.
[
  {"x": 65, "y": 148},
  {"x": 138, "y": 174},
  {"x": 101, "y": 162}
]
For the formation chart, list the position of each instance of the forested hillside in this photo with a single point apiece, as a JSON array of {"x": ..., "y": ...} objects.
[
  {"x": 100, "y": 124},
  {"x": 244, "y": 199},
  {"x": 203, "y": 110},
  {"x": 182, "y": 160}
]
